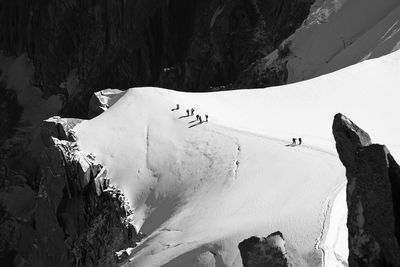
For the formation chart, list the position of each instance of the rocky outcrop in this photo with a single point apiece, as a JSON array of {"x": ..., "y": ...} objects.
[
  {"x": 58, "y": 128},
  {"x": 70, "y": 216},
  {"x": 269, "y": 251},
  {"x": 373, "y": 189},
  {"x": 102, "y": 100}
]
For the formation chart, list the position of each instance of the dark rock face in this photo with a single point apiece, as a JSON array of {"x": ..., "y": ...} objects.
[
  {"x": 349, "y": 138},
  {"x": 10, "y": 111},
  {"x": 181, "y": 44},
  {"x": 70, "y": 215},
  {"x": 269, "y": 251},
  {"x": 262, "y": 73},
  {"x": 372, "y": 196}
]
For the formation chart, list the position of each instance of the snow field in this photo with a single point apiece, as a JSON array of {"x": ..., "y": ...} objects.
[{"x": 199, "y": 191}]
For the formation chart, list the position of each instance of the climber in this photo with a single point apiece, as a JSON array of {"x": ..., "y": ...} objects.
[
  {"x": 192, "y": 112},
  {"x": 294, "y": 141},
  {"x": 177, "y": 107},
  {"x": 201, "y": 121},
  {"x": 197, "y": 117},
  {"x": 299, "y": 140},
  {"x": 206, "y": 117},
  {"x": 187, "y": 112}
]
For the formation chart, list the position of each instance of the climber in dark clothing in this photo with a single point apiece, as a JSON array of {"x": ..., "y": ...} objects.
[
  {"x": 294, "y": 141},
  {"x": 197, "y": 117},
  {"x": 201, "y": 121},
  {"x": 299, "y": 140},
  {"x": 177, "y": 107},
  {"x": 187, "y": 112},
  {"x": 206, "y": 117},
  {"x": 192, "y": 111}
]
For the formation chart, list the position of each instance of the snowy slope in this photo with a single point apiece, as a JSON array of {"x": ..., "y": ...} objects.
[
  {"x": 199, "y": 190},
  {"x": 339, "y": 33}
]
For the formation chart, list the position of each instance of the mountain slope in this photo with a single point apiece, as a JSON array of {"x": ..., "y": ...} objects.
[
  {"x": 197, "y": 190},
  {"x": 341, "y": 33},
  {"x": 209, "y": 185}
]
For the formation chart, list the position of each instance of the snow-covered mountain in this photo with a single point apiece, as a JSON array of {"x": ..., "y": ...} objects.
[
  {"x": 197, "y": 190},
  {"x": 340, "y": 33}
]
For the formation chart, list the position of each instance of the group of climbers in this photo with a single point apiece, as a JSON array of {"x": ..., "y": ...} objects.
[
  {"x": 295, "y": 141},
  {"x": 190, "y": 112}
]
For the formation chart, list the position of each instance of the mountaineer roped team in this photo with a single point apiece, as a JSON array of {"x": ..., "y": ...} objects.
[{"x": 190, "y": 112}]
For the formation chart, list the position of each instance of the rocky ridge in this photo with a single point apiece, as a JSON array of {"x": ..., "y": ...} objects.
[{"x": 70, "y": 215}]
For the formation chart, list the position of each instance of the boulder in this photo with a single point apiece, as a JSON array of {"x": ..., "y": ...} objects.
[{"x": 269, "y": 251}]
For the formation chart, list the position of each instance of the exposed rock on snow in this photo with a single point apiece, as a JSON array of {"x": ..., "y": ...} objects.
[
  {"x": 122, "y": 255},
  {"x": 57, "y": 127},
  {"x": 102, "y": 100},
  {"x": 269, "y": 251},
  {"x": 372, "y": 196},
  {"x": 71, "y": 216},
  {"x": 349, "y": 137}
]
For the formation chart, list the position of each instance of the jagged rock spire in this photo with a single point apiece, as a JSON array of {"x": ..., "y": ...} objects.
[{"x": 373, "y": 194}]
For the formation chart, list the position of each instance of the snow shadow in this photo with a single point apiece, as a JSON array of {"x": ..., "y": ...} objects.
[
  {"x": 202, "y": 256},
  {"x": 191, "y": 126},
  {"x": 162, "y": 208},
  {"x": 291, "y": 145},
  {"x": 184, "y": 116}
]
